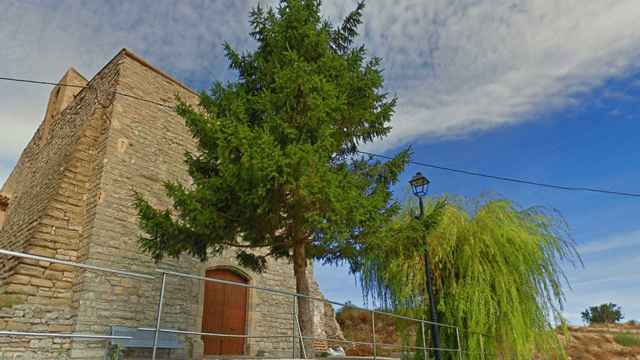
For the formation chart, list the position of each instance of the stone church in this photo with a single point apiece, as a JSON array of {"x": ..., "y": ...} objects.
[{"x": 70, "y": 198}]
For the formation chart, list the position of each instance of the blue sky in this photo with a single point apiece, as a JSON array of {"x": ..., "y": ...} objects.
[
  {"x": 594, "y": 143},
  {"x": 539, "y": 89}
]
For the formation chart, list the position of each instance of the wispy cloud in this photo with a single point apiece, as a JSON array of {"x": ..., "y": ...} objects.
[
  {"x": 464, "y": 66},
  {"x": 41, "y": 39},
  {"x": 616, "y": 242},
  {"x": 608, "y": 280},
  {"x": 457, "y": 66}
]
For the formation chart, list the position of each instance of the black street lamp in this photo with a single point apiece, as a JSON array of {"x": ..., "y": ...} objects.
[{"x": 420, "y": 187}]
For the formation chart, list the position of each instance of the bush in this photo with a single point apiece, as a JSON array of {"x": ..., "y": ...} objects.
[
  {"x": 627, "y": 339},
  {"x": 602, "y": 314}
]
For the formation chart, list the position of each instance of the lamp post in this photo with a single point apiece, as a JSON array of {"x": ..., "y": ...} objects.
[{"x": 420, "y": 187}]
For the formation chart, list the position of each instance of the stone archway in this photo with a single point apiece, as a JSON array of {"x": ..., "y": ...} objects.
[{"x": 224, "y": 312}]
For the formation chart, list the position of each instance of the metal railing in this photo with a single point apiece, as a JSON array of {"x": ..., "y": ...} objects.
[
  {"x": 296, "y": 326},
  {"x": 297, "y": 338},
  {"x": 77, "y": 265}
]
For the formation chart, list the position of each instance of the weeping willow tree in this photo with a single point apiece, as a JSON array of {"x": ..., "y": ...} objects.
[{"x": 497, "y": 273}]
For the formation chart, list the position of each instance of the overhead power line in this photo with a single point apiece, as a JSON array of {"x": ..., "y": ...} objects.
[
  {"x": 41, "y": 82},
  {"x": 27, "y": 81},
  {"x": 417, "y": 163},
  {"x": 510, "y": 179}
]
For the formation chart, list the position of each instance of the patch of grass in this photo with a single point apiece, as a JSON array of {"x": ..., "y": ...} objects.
[{"x": 627, "y": 339}]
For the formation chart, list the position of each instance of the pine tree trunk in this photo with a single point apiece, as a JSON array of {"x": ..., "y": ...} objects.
[{"x": 305, "y": 313}]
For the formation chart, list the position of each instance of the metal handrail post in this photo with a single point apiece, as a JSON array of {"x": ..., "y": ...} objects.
[
  {"x": 424, "y": 342},
  {"x": 303, "y": 351},
  {"x": 373, "y": 333},
  {"x": 459, "y": 345},
  {"x": 293, "y": 328},
  {"x": 158, "y": 317}
]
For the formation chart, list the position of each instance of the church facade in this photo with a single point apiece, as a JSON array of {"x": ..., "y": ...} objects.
[{"x": 70, "y": 198}]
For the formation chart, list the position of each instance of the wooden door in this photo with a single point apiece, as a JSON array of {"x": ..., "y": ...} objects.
[{"x": 225, "y": 312}]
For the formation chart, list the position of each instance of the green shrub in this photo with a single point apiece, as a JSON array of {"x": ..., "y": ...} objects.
[
  {"x": 116, "y": 352},
  {"x": 602, "y": 314},
  {"x": 627, "y": 339}
]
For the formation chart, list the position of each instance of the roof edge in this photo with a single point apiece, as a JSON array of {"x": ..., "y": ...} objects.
[
  {"x": 128, "y": 53},
  {"x": 73, "y": 70}
]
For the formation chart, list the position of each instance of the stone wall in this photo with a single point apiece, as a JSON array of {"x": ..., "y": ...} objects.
[
  {"x": 72, "y": 199},
  {"x": 34, "y": 180},
  {"x": 146, "y": 147},
  {"x": 47, "y": 216}
]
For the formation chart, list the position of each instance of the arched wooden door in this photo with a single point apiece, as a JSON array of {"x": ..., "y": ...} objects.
[{"x": 225, "y": 312}]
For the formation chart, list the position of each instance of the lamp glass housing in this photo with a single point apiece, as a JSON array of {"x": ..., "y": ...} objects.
[{"x": 419, "y": 185}]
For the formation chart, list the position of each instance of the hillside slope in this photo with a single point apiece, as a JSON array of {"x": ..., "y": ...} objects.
[
  {"x": 599, "y": 343},
  {"x": 584, "y": 343}
]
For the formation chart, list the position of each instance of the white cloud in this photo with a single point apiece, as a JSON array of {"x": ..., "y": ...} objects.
[
  {"x": 458, "y": 66},
  {"x": 616, "y": 242},
  {"x": 41, "y": 39},
  {"x": 464, "y": 66}
]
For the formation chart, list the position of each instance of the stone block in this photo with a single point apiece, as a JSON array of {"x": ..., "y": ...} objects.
[
  {"x": 53, "y": 275},
  {"x": 42, "y": 251},
  {"x": 63, "y": 285},
  {"x": 9, "y": 300},
  {"x": 21, "y": 289},
  {"x": 62, "y": 267},
  {"x": 41, "y": 282},
  {"x": 29, "y": 270},
  {"x": 13, "y": 325},
  {"x": 60, "y": 328},
  {"x": 19, "y": 279}
]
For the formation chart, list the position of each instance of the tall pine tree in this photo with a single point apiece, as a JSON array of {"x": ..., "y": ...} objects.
[{"x": 276, "y": 172}]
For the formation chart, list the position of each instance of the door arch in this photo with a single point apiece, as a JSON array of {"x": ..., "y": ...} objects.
[{"x": 224, "y": 312}]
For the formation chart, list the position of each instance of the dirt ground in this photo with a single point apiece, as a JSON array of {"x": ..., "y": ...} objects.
[
  {"x": 597, "y": 343},
  {"x": 584, "y": 343}
]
